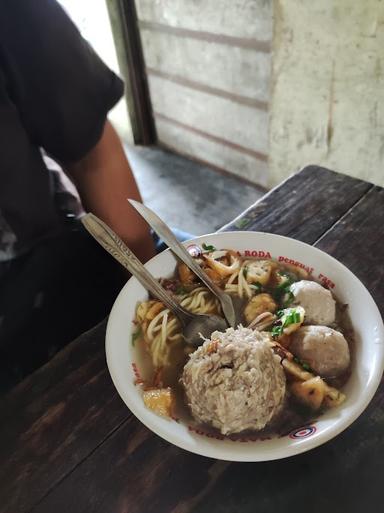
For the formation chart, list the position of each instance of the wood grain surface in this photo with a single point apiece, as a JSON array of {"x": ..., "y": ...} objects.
[
  {"x": 357, "y": 240},
  {"x": 54, "y": 420},
  {"x": 68, "y": 444},
  {"x": 304, "y": 206}
]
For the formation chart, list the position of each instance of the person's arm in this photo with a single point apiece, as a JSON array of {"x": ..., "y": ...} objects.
[
  {"x": 64, "y": 92},
  {"x": 104, "y": 181}
]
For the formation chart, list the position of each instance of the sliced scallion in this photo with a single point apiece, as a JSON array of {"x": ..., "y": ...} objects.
[
  {"x": 277, "y": 331},
  {"x": 208, "y": 247},
  {"x": 136, "y": 335}
]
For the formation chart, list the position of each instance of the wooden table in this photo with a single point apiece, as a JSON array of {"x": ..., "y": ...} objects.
[{"x": 69, "y": 444}]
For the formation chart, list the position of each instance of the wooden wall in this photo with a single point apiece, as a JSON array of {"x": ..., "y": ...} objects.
[{"x": 208, "y": 66}]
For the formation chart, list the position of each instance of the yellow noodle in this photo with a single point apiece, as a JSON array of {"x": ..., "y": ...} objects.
[
  {"x": 233, "y": 277},
  {"x": 246, "y": 286},
  {"x": 142, "y": 310},
  {"x": 155, "y": 352},
  {"x": 197, "y": 302},
  {"x": 164, "y": 329},
  {"x": 231, "y": 287},
  {"x": 240, "y": 282},
  {"x": 155, "y": 324}
]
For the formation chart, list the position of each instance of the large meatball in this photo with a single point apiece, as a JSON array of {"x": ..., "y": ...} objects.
[
  {"x": 318, "y": 303},
  {"x": 324, "y": 349},
  {"x": 234, "y": 381}
]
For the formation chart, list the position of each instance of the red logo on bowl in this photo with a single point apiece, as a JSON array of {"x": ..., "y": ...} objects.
[{"x": 302, "y": 432}]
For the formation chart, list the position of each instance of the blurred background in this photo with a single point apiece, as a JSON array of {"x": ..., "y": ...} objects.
[{"x": 239, "y": 94}]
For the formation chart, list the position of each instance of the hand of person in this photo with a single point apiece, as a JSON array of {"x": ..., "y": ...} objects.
[{"x": 104, "y": 181}]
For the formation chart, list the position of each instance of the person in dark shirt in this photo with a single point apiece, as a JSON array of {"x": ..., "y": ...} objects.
[{"x": 55, "y": 93}]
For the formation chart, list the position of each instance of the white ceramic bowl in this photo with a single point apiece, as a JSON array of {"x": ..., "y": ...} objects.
[{"x": 367, "y": 365}]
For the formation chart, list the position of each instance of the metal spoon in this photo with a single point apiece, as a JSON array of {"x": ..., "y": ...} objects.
[
  {"x": 179, "y": 250},
  {"x": 193, "y": 325}
]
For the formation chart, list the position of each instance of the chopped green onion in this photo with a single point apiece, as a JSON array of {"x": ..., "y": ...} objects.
[
  {"x": 280, "y": 291},
  {"x": 292, "y": 317},
  {"x": 304, "y": 365},
  {"x": 277, "y": 293},
  {"x": 285, "y": 278},
  {"x": 280, "y": 313},
  {"x": 136, "y": 335},
  {"x": 283, "y": 290},
  {"x": 245, "y": 272},
  {"x": 289, "y": 300},
  {"x": 277, "y": 331},
  {"x": 286, "y": 321},
  {"x": 208, "y": 247},
  {"x": 180, "y": 290}
]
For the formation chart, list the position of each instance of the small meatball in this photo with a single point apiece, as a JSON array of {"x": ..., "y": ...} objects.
[
  {"x": 318, "y": 303},
  {"x": 325, "y": 350},
  {"x": 258, "y": 305},
  {"x": 258, "y": 271}
]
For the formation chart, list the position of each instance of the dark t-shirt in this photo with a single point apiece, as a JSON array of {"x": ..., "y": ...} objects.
[{"x": 55, "y": 93}]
